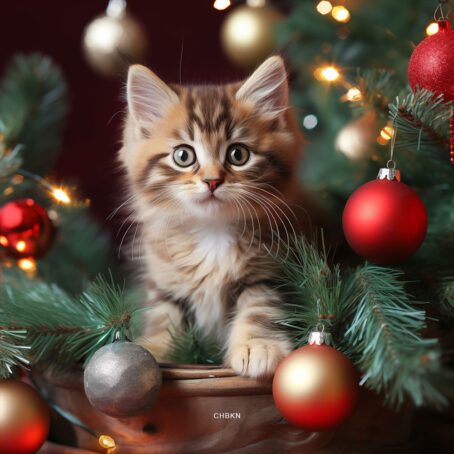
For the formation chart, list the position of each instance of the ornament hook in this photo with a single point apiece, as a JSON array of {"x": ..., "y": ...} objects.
[{"x": 439, "y": 14}]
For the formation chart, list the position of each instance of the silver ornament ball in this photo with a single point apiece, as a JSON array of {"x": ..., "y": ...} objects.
[{"x": 122, "y": 379}]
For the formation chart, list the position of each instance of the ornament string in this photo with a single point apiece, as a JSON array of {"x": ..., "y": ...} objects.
[
  {"x": 439, "y": 13},
  {"x": 391, "y": 164}
]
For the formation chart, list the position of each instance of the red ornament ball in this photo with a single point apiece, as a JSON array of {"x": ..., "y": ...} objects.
[
  {"x": 316, "y": 387},
  {"x": 25, "y": 229},
  {"x": 25, "y": 419},
  {"x": 432, "y": 63},
  {"x": 385, "y": 221}
]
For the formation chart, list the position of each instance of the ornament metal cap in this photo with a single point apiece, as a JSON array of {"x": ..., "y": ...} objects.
[
  {"x": 388, "y": 173},
  {"x": 320, "y": 338}
]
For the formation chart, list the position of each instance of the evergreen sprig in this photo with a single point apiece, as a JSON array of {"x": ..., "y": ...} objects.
[
  {"x": 371, "y": 318},
  {"x": 32, "y": 108},
  {"x": 190, "y": 346},
  {"x": 61, "y": 330},
  {"x": 422, "y": 122},
  {"x": 385, "y": 333}
]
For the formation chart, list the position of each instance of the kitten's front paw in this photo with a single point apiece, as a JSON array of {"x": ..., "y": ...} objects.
[{"x": 258, "y": 358}]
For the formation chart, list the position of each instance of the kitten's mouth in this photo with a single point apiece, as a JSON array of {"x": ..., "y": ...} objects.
[{"x": 209, "y": 199}]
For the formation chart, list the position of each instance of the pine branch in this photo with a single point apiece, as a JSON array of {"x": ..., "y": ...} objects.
[
  {"x": 61, "y": 330},
  {"x": 315, "y": 294},
  {"x": 81, "y": 250},
  {"x": 385, "y": 331},
  {"x": 32, "y": 107},
  {"x": 192, "y": 347},
  {"x": 377, "y": 87},
  {"x": 422, "y": 122},
  {"x": 10, "y": 160}
]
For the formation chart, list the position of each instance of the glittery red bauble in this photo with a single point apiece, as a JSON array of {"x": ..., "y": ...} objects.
[
  {"x": 25, "y": 229},
  {"x": 432, "y": 63},
  {"x": 25, "y": 419},
  {"x": 315, "y": 387},
  {"x": 385, "y": 221}
]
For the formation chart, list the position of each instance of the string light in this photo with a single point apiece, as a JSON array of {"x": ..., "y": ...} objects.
[
  {"x": 310, "y": 121},
  {"x": 221, "y": 5},
  {"x": 432, "y": 29},
  {"x": 106, "y": 442},
  {"x": 353, "y": 95},
  {"x": 387, "y": 132},
  {"x": 324, "y": 7},
  {"x": 386, "y": 135},
  {"x": 28, "y": 265},
  {"x": 340, "y": 13},
  {"x": 60, "y": 195},
  {"x": 21, "y": 245},
  {"x": 327, "y": 73}
]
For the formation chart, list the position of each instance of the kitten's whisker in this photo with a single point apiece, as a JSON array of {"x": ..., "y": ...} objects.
[
  {"x": 273, "y": 207},
  {"x": 116, "y": 210},
  {"x": 123, "y": 238},
  {"x": 253, "y": 223},
  {"x": 268, "y": 214}
]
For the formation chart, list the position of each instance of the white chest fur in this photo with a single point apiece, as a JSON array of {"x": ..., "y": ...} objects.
[{"x": 198, "y": 265}]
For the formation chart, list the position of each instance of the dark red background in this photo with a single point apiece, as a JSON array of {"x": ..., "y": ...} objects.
[{"x": 92, "y": 134}]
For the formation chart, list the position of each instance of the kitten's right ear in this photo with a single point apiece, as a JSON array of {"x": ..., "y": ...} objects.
[{"x": 148, "y": 96}]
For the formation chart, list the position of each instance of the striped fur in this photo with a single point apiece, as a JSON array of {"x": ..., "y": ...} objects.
[{"x": 207, "y": 256}]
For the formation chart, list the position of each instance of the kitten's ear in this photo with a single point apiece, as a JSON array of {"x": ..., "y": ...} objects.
[
  {"x": 267, "y": 87},
  {"x": 148, "y": 96}
]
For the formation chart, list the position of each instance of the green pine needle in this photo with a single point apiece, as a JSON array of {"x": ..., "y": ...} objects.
[
  {"x": 192, "y": 347},
  {"x": 59, "y": 329}
]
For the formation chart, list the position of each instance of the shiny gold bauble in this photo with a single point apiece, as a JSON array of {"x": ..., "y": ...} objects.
[
  {"x": 247, "y": 34},
  {"x": 315, "y": 387},
  {"x": 357, "y": 139},
  {"x": 24, "y": 418},
  {"x": 111, "y": 42}
]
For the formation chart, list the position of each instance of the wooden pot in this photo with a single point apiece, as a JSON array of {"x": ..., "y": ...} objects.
[{"x": 204, "y": 409}]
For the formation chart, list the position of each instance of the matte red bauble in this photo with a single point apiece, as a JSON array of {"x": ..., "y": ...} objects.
[
  {"x": 24, "y": 421},
  {"x": 432, "y": 63},
  {"x": 316, "y": 387},
  {"x": 385, "y": 221},
  {"x": 25, "y": 229}
]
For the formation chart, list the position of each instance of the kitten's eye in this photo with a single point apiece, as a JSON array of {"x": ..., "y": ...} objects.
[
  {"x": 238, "y": 155},
  {"x": 184, "y": 156}
]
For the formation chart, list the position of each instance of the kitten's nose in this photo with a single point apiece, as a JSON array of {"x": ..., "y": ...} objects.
[{"x": 213, "y": 183}]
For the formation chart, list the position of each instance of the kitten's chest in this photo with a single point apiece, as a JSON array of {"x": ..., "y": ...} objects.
[{"x": 198, "y": 259}]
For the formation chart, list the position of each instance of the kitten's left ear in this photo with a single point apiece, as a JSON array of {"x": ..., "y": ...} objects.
[{"x": 267, "y": 87}]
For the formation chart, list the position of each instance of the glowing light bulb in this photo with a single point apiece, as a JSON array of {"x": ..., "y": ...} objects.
[
  {"x": 106, "y": 442},
  {"x": 327, "y": 73},
  {"x": 27, "y": 265},
  {"x": 221, "y": 5},
  {"x": 324, "y": 7},
  {"x": 4, "y": 241},
  {"x": 341, "y": 13},
  {"x": 432, "y": 29},
  {"x": 310, "y": 121},
  {"x": 387, "y": 132},
  {"x": 21, "y": 245},
  {"x": 354, "y": 94},
  {"x": 60, "y": 195}
]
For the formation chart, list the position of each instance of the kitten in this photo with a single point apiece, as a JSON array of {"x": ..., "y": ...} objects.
[{"x": 212, "y": 172}]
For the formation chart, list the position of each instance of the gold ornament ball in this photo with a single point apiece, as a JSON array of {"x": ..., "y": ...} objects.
[
  {"x": 112, "y": 42},
  {"x": 247, "y": 34},
  {"x": 357, "y": 139},
  {"x": 24, "y": 418},
  {"x": 316, "y": 387}
]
